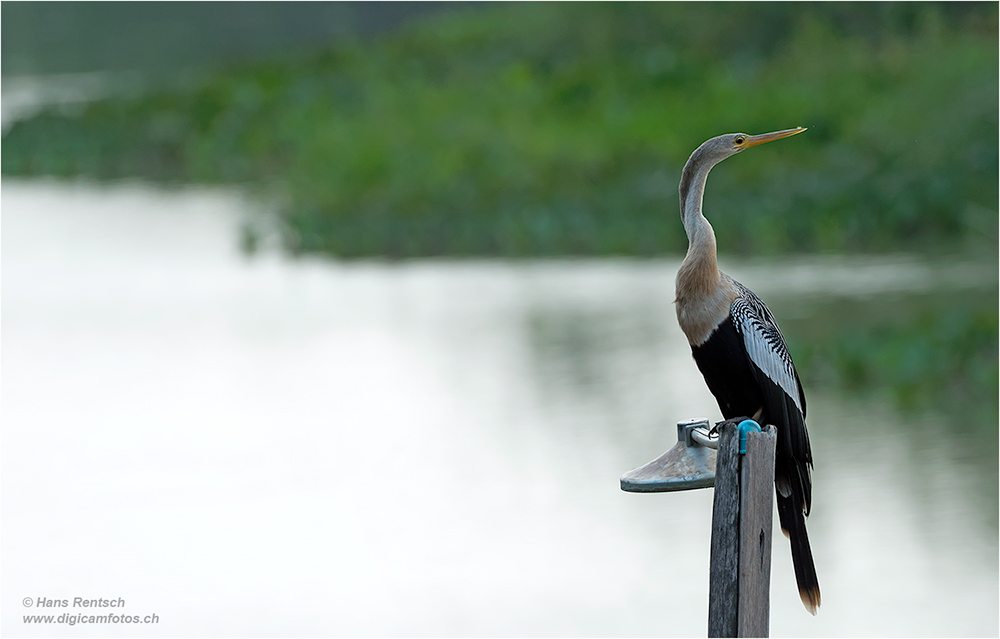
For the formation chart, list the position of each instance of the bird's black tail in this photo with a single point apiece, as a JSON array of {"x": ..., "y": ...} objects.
[{"x": 793, "y": 524}]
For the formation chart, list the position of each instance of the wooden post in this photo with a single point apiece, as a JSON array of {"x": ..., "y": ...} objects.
[
  {"x": 723, "y": 580},
  {"x": 740, "y": 573},
  {"x": 756, "y": 490}
]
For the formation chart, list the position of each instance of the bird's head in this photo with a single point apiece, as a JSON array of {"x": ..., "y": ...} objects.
[
  {"x": 710, "y": 153},
  {"x": 722, "y": 146}
]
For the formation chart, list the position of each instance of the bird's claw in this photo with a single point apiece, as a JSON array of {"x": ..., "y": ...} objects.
[{"x": 734, "y": 421}]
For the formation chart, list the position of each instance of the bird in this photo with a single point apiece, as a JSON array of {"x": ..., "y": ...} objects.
[{"x": 740, "y": 351}]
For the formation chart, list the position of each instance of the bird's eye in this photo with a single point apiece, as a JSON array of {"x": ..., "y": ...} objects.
[{"x": 740, "y": 139}]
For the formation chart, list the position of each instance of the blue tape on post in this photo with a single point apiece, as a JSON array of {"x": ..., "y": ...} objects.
[{"x": 745, "y": 427}]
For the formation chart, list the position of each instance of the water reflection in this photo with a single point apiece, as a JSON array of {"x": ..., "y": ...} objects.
[{"x": 369, "y": 449}]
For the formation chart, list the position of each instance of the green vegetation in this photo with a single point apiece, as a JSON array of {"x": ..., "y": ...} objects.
[
  {"x": 927, "y": 352},
  {"x": 561, "y": 129},
  {"x": 953, "y": 354}
]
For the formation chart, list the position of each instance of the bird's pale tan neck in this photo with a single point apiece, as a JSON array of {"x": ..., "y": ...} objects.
[
  {"x": 699, "y": 275},
  {"x": 704, "y": 295}
]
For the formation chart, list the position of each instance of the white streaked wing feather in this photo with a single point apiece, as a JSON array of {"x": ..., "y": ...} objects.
[{"x": 764, "y": 343}]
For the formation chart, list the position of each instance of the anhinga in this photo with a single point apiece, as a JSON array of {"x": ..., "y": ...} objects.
[{"x": 740, "y": 351}]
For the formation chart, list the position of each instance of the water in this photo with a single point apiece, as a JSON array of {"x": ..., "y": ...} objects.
[{"x": 275, "y": 447}]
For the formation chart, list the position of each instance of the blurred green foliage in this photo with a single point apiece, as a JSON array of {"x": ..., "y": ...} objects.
[
  {"x": 917, "y": 361},
  {"x": 560, "y": 129},
  {"x": 159, "y": 39},
  {"x": 938, "y": 363},
  {"x": 933, "y": 352}
]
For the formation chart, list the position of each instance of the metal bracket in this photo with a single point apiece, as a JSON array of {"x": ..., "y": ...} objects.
[{"x": 689, "y": 464}]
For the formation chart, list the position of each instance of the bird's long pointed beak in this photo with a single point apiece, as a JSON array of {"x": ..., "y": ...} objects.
[{"x": 754, "y": 140}]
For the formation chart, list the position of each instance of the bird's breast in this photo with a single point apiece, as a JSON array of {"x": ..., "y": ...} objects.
[{"x": 700, "y": 310}]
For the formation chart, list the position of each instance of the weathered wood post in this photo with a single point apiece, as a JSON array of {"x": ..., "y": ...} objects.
[{"x": 740, "y": 572}]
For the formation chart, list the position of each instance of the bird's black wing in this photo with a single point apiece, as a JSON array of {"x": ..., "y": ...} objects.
[
  {"x": 784, "y": 402},
  {"x": 765, "y": 344}
]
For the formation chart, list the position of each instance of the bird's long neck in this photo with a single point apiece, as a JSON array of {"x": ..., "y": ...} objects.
[
  {"x": 703, "y": 294},
  {"x": 699, "y": 274}
]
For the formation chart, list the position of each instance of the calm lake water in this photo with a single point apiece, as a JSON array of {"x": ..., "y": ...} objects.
[{"x": 264, "y": 446}]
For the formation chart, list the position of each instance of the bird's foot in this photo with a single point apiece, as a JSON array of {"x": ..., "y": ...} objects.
[{"x": 734, "y": 421}]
